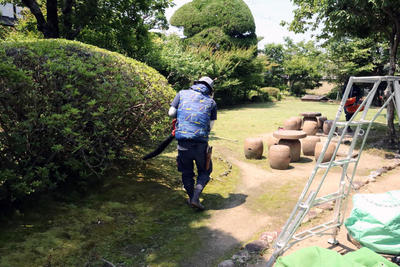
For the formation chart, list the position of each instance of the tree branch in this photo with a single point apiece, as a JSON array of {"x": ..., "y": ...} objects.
[{"x": 35, "y": 9}]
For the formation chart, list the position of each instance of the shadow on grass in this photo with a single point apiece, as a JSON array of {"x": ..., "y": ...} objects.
[
  {"x": 136, "y": 217},
  {"x": 250, "y": 105},
  {"x": 217, "y": 202},
  {"x": 304, "y": 160},
  {"x": 213, "y": 137},
  {"x": 378, "y": 138},
  {"x": 216, "y": 244}
]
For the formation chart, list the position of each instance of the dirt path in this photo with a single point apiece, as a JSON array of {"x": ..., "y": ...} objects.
[
  {"x": 231, "y": 228},
  {"x": 388, "y": 182}
]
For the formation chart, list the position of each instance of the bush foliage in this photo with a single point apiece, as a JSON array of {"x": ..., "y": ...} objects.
[
  {"x": 272, "y": 92},
  {"x": 222, "y": 23},
  {"x": 68, "y": 110},
  {"x": 237, "y": 71}
]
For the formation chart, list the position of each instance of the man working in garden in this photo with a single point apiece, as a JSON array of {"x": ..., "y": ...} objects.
[
  {"x": 353, "y": 101},
  {"x": 196, "y": 113}
]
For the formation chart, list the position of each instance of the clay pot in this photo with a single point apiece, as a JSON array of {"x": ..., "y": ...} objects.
[
  {"x": 308, "y": 145},
  {"x": 321, "y": 121},
  {"x": 295, "y": 148},
  {"x": 328, "y": 153},
  {"x": 270, "y": 140},
  {"x": 253, "y": 148},
  {"x": 310, "y": 127},
  {"x": 291, "y": 124},
  {"x": 327, "y": 126},
  {"x": 299, "y": 122},
  {"x": 279, "y": 157},
  {"x": 310, "y": 116}
]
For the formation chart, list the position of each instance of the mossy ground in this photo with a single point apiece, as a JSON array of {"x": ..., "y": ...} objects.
[{"x": 137, "y": 215}]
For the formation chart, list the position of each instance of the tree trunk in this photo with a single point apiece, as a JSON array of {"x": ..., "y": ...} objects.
[
  {"x": 394, "y": 43},
  {"x": 70, "y": 34},
  {"x": 52, "y": 19},
  {"x": 49, "y": 28}
]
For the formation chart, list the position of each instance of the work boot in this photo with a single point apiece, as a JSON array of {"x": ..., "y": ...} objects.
[
  {"x": 195, "y": 201},
  {"x": 349, "y": 130}
]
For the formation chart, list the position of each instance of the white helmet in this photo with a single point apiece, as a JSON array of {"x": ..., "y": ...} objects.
[{"x": 206, "y": 81}]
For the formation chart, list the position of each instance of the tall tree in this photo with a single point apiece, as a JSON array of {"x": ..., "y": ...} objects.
[
  {"x": 298, "y": 65},
  {"x": 303, "y": 64},
  {"x": 355, "y": 57},
  {"x": 275, "y": 75},
  {"x": 118, "y": 25},
  {"x": 354, "y": 18}
]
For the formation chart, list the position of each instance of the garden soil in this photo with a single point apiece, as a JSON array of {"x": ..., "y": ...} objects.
[{"x": 232, "y": 227}]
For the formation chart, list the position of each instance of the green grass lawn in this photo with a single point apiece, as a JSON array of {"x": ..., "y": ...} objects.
[
  {"x": 255, "y": 120},
  {"x": 137, "y": 215}
]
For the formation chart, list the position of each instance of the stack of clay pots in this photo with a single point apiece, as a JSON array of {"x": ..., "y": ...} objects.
[
  {"x": 279, "y": 155},
  {"x": 283, "y": 150},
  {"x": 310, "y": 122}
]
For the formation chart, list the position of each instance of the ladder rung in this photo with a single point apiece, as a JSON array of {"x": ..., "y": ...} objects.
[
  {"x": 315, "y": 230},
  {"x": 339, "y": 162},
  {"x": 352, "y": 123},
  {"x": 327, "y": 198}
]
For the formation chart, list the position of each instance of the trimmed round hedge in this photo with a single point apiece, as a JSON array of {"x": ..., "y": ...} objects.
[
  {"x": 207, "y": 21},
  {"x": 68, "y": 109}
]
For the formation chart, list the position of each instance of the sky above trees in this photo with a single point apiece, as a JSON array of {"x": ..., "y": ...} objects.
[{"x": 267, "y": 15}]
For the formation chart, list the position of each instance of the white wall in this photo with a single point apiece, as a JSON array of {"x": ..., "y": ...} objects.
[{"x": 7, "y": 10}]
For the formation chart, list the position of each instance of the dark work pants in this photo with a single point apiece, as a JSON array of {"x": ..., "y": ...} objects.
[
  {"x": 348, "y": 114},
  {"x": 194, "y": 153}
]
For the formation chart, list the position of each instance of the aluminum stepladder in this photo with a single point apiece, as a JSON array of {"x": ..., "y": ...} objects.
[{"x": 308, "y": 198}]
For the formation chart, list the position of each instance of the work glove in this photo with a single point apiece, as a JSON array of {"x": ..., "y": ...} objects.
[{"x": 173, "y": 127}]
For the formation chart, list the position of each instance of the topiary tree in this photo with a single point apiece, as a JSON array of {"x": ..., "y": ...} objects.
[
  {"x": 67, "y": 110},
  {"x": 221, "y": 23}
]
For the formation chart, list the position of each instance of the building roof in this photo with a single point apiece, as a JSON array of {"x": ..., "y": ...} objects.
[
  {"x": 314, "y": 98},
  {"x": 7, "y": 21}
]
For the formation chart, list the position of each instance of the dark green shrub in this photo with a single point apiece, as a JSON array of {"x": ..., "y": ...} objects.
[
  {"x": 67, "y": 110},
  {"x": 335, "y": 93},
  {"x": 272, "y": 92},
  {"x": 258, "y": 96},
  {"x": 206, "y": 21}
]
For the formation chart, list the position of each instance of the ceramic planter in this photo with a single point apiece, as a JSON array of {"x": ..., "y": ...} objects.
[
  {"x": 321, "y": 121},
  {"x": 270, "y": 140},
  {"x": 308, "y": 145},
  {"x": 253, "y": 148},
  {"x": 310, "y": 126},
  {"x": 328, "y": 153},
  {"x": 295, "y": 148},
  {"x": 293, "y": 123},
  {"x": 327, "y": 126},
  {"x": 279, "y": 157}
]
